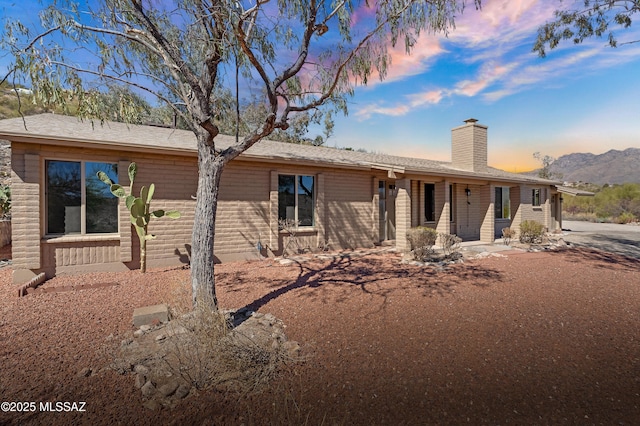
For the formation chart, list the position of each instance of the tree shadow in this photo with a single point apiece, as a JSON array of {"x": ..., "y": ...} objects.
[
  {"x": 601, "y": 258},
  {"x": 344, "y": 277}
]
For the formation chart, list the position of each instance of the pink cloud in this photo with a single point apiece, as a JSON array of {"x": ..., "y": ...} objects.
[{"x": 431, "y": 97}]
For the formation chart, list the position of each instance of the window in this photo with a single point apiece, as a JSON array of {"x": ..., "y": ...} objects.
[
  {"x": 430, "y": 202},
  {"x": 77, "y": 202},
  {"x": 535, "y": 197},
  {"x": 295, "y": 199},
  {"x": 503, "y": 203}
]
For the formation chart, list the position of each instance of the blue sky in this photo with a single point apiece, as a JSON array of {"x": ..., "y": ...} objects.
[{"x": 580, "y": 98}]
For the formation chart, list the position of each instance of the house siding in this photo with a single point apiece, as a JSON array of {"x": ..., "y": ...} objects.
[{"x": 346, "y": 207}]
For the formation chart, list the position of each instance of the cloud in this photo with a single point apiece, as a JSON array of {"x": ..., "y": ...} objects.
[{"x": 497, "y": 42}]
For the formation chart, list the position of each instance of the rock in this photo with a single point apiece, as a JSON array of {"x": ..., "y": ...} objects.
[
  {"x": 148, "y": 389},
  {"x": 152, "y": 405},
  {"x": 150, "y": 314},
  {"x": 85, "y": 372},
  {"x": 160, "y": 337},
  {"x": 138, "y": 333},
  {"x": 286, "y": 262},
  {"x": 140, "y": 380},
  {"x": 141, "y": 369},
  {"x": 168, "y": 388},
  {"x": 292, "y": 347},
  {"x": 145, "y": 328},
  {"x": 182, "y": 391}
]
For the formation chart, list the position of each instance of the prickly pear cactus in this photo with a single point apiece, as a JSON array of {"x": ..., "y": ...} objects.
[{"x": 139, "y": 209}]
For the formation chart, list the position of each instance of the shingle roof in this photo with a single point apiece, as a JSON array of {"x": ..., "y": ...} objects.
[{"x": 54, "y": 127}]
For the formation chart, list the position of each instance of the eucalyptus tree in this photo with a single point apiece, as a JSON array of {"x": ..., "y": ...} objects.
[
  {"x": 301, "y": 55},
  {"x": 591, "y": 18}
]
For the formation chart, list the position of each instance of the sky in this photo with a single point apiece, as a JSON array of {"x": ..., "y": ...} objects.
[{"x": 580, "y": 98}]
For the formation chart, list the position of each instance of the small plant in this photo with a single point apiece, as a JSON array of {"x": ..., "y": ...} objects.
[
  {"x": 421, "y": 240},
  {"x": 531, "y": 232},
  {"x": 507, "y": 235},
  {"x": 5, "y": 201},
  {"x": 139, "y": 209},
  {"x": 450, "y": 244},
  {"x": 626, "y": 217}
]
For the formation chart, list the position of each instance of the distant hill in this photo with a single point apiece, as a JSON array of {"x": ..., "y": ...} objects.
[{"x": 611, "y": 167}]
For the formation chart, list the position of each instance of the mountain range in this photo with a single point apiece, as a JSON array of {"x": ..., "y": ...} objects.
[{"x": 612, "y": 167}]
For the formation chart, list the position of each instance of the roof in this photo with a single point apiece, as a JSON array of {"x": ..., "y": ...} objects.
[
  {"x": 61, "y": 129},
  {"x": 574, "y": 191}
]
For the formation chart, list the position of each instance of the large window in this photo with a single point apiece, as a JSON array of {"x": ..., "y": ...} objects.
[
  {"x": 430, "y": 202},
  {"x": 503, "y": 203},
  {"x": 295, "y": 198},
  {"x": 77, "y": 202},
  {"x": 535, "y": 197}
]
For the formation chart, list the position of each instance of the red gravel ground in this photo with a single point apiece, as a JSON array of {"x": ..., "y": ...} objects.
[{"x": 530, "y": 338}]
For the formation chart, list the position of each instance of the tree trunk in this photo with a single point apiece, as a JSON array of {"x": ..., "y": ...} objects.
[
  {"x": 143, "y": 255},
  {"x": 202, "y": 260}
]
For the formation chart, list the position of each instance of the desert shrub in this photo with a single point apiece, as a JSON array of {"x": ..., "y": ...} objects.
[
  {"x": 421, "y": 240},
  {"x": 531, "y": 232},
  {"x": 626, "y": 217},
  {"x": 5, "y": 200},
  {"x": 507, "y": 235},
  {"x": 450, "y": 244}
]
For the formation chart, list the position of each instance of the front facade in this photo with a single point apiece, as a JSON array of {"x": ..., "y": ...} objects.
[{"x": 65, "y": 220}]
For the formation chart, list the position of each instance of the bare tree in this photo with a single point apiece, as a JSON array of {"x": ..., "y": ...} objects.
[{"x": 303, "y": 55}]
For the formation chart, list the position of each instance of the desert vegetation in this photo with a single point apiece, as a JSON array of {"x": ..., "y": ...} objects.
[{"x": 616, "y": 203}]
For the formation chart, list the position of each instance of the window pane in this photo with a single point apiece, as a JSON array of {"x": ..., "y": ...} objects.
[
  {"x": 63, "y": 186},
  {"x": 102, "y": 205},
  {"x": 498, "y": 203},
  {"x": 286, "y": 197},
  {"x": 305, "y": 200},
  {"x": 430, "y": 202},
  {"x": 506, "y": 203}
]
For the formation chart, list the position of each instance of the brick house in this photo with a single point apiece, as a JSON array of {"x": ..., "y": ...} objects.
[{"x": 64, "y": 221}]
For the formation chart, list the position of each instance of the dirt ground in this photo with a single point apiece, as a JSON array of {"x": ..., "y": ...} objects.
[{"x": 521, "y": 338}]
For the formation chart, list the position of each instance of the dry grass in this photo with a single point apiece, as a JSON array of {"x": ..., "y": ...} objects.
[{"x": 206, "y": 350}]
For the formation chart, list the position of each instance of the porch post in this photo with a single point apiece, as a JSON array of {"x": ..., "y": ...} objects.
[
  {"x": 443, "y": 207},
  {"x": 487, "y": 203},
  {"x": 403, "y": 213}
]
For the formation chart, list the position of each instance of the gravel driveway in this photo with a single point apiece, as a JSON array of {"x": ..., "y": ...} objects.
[{"x": 610, "y": 237}]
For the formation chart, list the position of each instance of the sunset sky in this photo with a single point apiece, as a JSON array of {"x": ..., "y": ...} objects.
[{"x": 580, "y": 98}]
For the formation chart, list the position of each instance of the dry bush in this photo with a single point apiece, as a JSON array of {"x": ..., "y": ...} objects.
[
  {"x": 450, "y": 244},
  {"x": 507, "y": 235},
  {"x": 531, "y": 232},
  {"x": 206, "y": 351},
  {"x": 421, "y": 240}
]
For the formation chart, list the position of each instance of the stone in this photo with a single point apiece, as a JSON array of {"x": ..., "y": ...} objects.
[
  {"x": 148, "y": 389},
  {"x": 141, "y": 369},
  {"x": 152, "y": 405},
  {"x": 182, "y": 391},
  {"x": 140, "y": 380},
  {"x": 150, "y": 314},
  {"x": 85, "y": 372},
  {"x": 138, "y": 333},
  {"x": 168, "y": 388},
  {"x": 160, "y": 337},
  {"x": 292, "y": 347},
  {"x": 145, "y": 328}
]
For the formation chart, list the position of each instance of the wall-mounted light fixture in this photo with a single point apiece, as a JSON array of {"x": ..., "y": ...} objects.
[
  {"x": 468, "y": 192},
  {"x": 393, "y": 190}
]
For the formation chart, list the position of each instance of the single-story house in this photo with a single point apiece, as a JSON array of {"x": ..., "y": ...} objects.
[{"x": 64, "y": 220}]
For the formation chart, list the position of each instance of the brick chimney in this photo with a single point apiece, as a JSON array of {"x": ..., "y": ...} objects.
[{"x": 469, "y": 146}]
